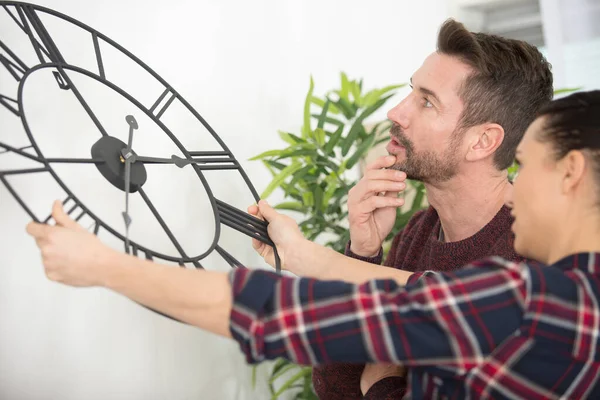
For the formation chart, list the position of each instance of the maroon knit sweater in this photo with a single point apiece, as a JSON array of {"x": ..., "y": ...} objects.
[{"x": 416, "y": 248}]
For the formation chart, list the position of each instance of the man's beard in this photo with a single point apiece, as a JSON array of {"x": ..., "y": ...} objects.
[{"x": 426, "y": 166}]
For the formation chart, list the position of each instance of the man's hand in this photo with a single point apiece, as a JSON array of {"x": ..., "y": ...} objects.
[
  {"x": 375, "y": 372},
  {"x": 283, "y": 231},
  {"x": 70, "y": 254},
  {"x": 372, "y": 206}
]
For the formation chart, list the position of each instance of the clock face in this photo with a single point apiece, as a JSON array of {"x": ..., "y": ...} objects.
[{"x": 84, "y": 120}]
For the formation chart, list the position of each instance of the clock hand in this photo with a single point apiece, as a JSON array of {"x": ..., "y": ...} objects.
[
  {"x": 127, "y": 157},
  {"x": 180, "y": 162}
]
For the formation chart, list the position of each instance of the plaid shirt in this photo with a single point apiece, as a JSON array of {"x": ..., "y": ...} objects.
[{"x": 494, "y": 329}]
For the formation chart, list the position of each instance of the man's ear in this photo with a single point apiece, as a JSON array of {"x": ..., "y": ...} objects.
[{"x": 483, "y": 141}]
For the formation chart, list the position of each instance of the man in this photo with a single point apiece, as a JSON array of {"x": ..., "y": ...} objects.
[
  {"x": 495, "y": 329},
  {"x": 471, "y": 103}
]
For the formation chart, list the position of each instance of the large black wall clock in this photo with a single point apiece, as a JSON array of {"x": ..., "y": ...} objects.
[{"x": 114, "y": 155}]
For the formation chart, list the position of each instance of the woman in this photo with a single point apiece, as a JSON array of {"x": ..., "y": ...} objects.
[{"x": 494, "y": 329}]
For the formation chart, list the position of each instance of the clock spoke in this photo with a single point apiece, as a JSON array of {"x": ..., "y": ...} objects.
[
  {"x": 48, "y": 52},
  {"x": 19, "y": 151},
  {"x": 12, "y": 63},
  {"x": 229, "y": 258},
  {"x": 23, "y": 171},
  {"x": 75, "y": 211},
  {"x": 148, "y": 255},
  {"x": 162, "y": 222},
  {"x": 243, "y": 222},
  {"x": 245, "y": 229},
  {"x": 75, "y": 160},
  {"x": 21, "y": 22},
  {"x": 29, "y": 19},
  {"x": 11, "y": 104},
  {"x": 159, "y": 101},
  {"x": 98, "y": 55},
  {"x": 17, "y": 197}
]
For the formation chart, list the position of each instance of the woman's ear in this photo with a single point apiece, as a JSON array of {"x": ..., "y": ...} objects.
[{"x": 572, "y": 168}]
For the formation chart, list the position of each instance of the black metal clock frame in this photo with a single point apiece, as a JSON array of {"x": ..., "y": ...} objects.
[{"x": 26, "y": 17}]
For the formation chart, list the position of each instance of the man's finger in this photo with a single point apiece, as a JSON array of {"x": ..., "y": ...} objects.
[
  {"x": 382, "y": 162},
  {"x": 385, "y": 174},
  {"x": 379, "y": 186},
  {"x": 392, "y": 194},
  {"x": 375, "y": 202},
  {"x": 61, "y": 218}
]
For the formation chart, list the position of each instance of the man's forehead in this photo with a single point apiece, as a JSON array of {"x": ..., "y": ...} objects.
[{"x": 441, "y": 72}]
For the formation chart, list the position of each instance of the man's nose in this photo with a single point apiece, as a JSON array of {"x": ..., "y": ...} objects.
[{"x": 399, "y": 114}]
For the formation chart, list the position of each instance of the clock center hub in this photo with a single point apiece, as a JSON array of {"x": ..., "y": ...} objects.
[{"x": 108, "y": 149}]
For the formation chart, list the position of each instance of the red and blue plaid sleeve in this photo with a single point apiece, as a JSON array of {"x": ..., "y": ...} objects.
[{"x": 448, "y": 321}]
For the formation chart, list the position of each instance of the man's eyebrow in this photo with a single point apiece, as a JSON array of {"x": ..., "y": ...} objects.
[{"x": 426, "y": 91}]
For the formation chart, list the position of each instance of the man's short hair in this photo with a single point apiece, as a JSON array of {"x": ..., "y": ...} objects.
[{"x": 510, "y": 82}]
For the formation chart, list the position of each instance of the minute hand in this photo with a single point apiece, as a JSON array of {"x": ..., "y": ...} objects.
[{"x": 182, "y": 162}]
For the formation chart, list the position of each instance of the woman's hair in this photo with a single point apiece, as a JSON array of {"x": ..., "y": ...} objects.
[{"x": 573, "y": 123}]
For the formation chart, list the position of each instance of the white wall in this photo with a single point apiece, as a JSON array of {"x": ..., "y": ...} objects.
[{"x": 245, "y": 67}]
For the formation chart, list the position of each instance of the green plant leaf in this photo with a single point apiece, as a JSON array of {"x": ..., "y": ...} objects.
[
  {"x": 566, "y": 90},
  {"x": 291, "y": 205},
  {"x": 253, "y": 377},
  {"x": 306, "y": 371},
  {"x": 328, "y": 119},
  {"x": 360, "y": 151},
  {"x": 317, "y": 101},
  {"x": 300, "y": 174},
  {"x": 345, "y": 89},
  {"x": 286, "y": 137},
  {"x": 279, "y": 373},
  {"x": 321, "y": 121},
  {"x": 333, "y": 140},
  {"x": 306, "y": 127},
  {"x": 347, "y": 108},
  {"x": 275, "y": 164},
  {"x": 353, "y": 134},
  {"x": 332, "y": 185},
  {"x": 355, "y": 88},
  {"x": 357, "y": 126},
  {"x": 319, "y": 135},
  {"x": 386, "y": 89},
  {"x": 370, "y": 98},
  {"x": 276, "y": 182},
  {"x": 268, "y": 153},
  {"x": 318, "y": 198},
  {"x": 299, "y": 152},
  {"x": 308, "y": 199},
  {"x": 290, "y": 138},
  {"x": 280, "y": 363},
  {"x": 370, "y": 110},
  {"x": 321, "y": 103},
  {"x": 374, "y": 95}
]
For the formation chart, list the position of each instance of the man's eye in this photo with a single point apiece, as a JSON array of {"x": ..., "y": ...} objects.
[{"x": 427, "y": 103}]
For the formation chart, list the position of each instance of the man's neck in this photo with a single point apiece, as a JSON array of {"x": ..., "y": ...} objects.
[{"x": 466, "y": 204}]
